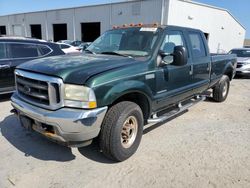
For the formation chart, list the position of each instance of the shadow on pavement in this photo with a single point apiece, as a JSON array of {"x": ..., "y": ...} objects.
[
  {"x": 33, "y": 144},
  {"x": 92, "y": 152},
  {"x": 241, "y": 77},
  {"x": 5, "y": 97}
]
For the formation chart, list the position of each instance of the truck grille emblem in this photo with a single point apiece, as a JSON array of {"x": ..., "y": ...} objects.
[{"x": 27, "y": 89}]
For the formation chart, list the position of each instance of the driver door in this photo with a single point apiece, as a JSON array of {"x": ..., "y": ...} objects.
[{"x": 176, "y": 81}]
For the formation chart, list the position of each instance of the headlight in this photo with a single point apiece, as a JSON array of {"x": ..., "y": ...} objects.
[{"x": 79, "y": 96}]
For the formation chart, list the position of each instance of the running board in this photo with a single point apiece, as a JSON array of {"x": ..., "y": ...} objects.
[{"x": 181, "y": 108}]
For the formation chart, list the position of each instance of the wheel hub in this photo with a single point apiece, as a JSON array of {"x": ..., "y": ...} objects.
[
  {"x": 129, "y": 131},
  {"x": 225, "y": 88}
]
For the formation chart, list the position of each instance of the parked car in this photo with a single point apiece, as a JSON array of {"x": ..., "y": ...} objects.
[
  {"x": 127, "y": 78},
  {"x": 76, "y": 43},
  {"x": 65, "y": 41},
  {"x": 243, "y": 61},
  {"x": 69, "y": 49},
  {"x": 84, "y": 45},
  {"x": 17, "y": 50}
]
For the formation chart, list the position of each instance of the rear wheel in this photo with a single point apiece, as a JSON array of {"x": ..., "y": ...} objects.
[
  {"x": 220, "y": 92},
  {"x": 121, "y": 131}
]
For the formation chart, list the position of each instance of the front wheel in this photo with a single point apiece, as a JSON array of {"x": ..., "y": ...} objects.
[
  {"x": 220, "y": 92},
  {"x": 121, "y": 131}
]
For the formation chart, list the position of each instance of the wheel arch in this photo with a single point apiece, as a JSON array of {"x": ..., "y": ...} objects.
[
  {"x": 229, "y": 70},
  {"x": 133, "y": 91}
]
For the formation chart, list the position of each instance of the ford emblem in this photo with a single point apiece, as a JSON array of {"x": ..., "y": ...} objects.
[{"x": 27, "y": 89}]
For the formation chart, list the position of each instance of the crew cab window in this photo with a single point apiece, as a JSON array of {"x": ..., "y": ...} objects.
[
  {"x": 172, "y": 39},
  {"x": 23, "y": 50},
  {"x": 198, "y": 48},
  {"x": 3, "y": 51}
]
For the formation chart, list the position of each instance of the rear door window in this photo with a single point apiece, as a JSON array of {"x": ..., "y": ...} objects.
[
  {"x": 3, "y": 51},
  {"x": 20, "y": 50},
  {"x": 44, "y": 50},
  {"x": 198, "y": 48}
]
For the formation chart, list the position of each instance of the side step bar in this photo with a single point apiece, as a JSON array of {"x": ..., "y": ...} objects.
[{"x": 176, "y": 111}]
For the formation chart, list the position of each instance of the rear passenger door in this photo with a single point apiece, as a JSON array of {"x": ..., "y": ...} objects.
[
  {"x": 201, "y": 61},
  {"x": 5, "y": 69}
]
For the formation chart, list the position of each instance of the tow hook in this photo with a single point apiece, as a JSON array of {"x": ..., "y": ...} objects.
[{"x": 14, "y": 111}]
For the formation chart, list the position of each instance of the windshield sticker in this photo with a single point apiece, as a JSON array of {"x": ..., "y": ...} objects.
[{"x": 149, "y": 29}]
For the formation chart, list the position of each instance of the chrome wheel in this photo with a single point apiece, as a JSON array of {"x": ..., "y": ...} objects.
[
  {"x": 225, "y": 88},
  {"x": 129, "y": 131}
]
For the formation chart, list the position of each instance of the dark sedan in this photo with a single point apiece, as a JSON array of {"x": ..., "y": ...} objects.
[{"x": 17, "y": 50}]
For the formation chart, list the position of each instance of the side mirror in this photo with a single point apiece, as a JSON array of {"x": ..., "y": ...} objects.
[
  {"x": 166, "y": 58},
  {"x": 180, "y": 56}
]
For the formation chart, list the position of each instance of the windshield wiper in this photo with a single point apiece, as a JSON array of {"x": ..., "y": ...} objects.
[{"x": 115, "y": 53}]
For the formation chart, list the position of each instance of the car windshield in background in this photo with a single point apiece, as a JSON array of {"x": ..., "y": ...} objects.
[
  {"x": 127, "y": 41},
  {"x": 241, "y": 53}
]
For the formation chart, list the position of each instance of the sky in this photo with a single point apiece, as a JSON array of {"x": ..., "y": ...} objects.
[{"x": 240, "y": 9}]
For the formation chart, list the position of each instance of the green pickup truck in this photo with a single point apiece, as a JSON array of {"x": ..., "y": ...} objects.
[{"x": 129, "y": 77}]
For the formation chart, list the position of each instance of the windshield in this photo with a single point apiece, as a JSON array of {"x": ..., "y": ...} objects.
[
  {"x": 241, "y": 53},
  {"x": 127, "y": 41}
]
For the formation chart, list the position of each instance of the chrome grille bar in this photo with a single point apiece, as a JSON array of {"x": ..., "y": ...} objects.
[
  {"x": 40, "y": 90},
  {"x": 34, "y": 85}
]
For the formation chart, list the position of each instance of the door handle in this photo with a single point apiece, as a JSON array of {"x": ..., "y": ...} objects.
[
  {"x": 191, "y": 70},
  {"x": 208, "y": 67},
  {"x": 4, "y": 66}
]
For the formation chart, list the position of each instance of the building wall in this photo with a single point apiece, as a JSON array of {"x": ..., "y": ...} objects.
[
  {"x": 64, "y": 16},
  {"x": 225, "y": 32},
  {"x": 36, "y": 18},
  {"x": 4, "y": 22},
  {"x": 109, "y": 15},
  {"x": 91, "y": 14}
]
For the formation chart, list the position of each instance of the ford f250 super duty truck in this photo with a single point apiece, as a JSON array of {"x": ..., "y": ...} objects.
[{"x": 127, "y": 78}]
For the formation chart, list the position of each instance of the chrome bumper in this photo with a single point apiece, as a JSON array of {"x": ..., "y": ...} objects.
[
  {"x": 245, "y": 69},
  {"x": 69, "y": 125}
]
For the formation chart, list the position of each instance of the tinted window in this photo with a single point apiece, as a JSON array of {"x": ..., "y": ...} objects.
[
  {"x": 64, "y": 46},
  {"x": 3, "y": 52},
  {"x": 23, "y": 50},
  {"x": 241, "y": 53},
  {"x": 198, "y": 49},
  {"x": 172, "y": 39},
  {"x": 44, "y": 50}
]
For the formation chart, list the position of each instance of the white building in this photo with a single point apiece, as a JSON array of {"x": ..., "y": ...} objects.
[{"x": 86, "y": 23}]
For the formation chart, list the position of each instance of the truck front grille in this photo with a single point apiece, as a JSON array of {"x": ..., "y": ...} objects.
[
  {"x": 239, "y": 65},
  {"x": 40, "y": 90}
]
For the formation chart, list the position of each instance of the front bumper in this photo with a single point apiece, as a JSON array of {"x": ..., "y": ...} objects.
[
  {"x": 244, "y": 70},
  {"x": 65, "y": 125}
]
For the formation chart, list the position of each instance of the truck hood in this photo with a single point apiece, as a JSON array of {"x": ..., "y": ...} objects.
[
  {"x": 76, "y": 69},
  {"x": 243, "y": 59}
]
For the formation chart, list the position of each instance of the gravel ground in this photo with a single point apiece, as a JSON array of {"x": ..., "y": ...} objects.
[{"x": 209, "y": 146}]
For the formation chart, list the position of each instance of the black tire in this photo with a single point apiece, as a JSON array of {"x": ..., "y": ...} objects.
[
  {"x": 220, "y": 91},
  {"x": 111, "y": 131}
]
